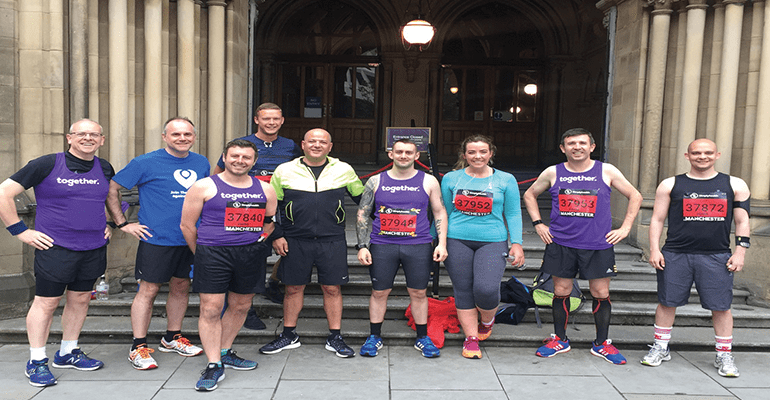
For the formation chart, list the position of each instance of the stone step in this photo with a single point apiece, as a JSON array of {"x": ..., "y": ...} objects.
[
  {"x": 357, "y": 307},
  {"x": 104, "y": 329}
]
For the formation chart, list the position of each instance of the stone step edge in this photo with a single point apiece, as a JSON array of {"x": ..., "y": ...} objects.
[{"x": 396, "y": 332}]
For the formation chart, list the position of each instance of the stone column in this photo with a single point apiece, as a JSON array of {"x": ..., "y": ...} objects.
[
  {"x": 197, "y": 55},
  {"x": 760, "y": 175},
  {"x": 78, "y": 59},
  {"x": 93, "y": 61},
  {"x": 131, "y": 69},
  {"x": 669, "y": 134},
  {"x": 216, "y": 78},
  {"x": 185, "y": 67},
  {"x": 153, "y": 94},
  {"x": 752, "y": 90},
  {"x": 728, "y": 82},
  {"x": 118, "y": 64},
  {"x": 31, "y": 75},
  {"x": 693, "y": 59},
  {"x": 653, "y": 108},
  {"x": 716, "y": 66}
]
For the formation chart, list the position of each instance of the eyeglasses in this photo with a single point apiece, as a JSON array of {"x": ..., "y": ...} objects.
[{"x": 80, "y": 135}]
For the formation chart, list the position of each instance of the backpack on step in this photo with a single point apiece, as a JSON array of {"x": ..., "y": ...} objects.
[
  {"x": 516, "y": 299},
  {"x": 542, "y": 294}
]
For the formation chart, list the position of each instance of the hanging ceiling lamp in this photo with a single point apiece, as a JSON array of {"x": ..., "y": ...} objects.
[{"x": 417, "y": 32}]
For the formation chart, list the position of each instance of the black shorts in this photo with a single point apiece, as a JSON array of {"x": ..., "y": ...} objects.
[
  {"x": 46, "y": 288},
  {"x": 238, "y": 269},
  {"x": 567, "y": 262},
  {"x": 416, "y": 259},
  {"x": 330, "y": 259},
  {"x": 157, "y": 264},
  {"x": 64, "y": 266}
]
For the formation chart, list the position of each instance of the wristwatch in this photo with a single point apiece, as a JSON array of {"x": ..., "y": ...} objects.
[
  {"x": 361, "y": 246},
  {"x": 743, "y": 241},
  {"x": 537, "y": 222}
]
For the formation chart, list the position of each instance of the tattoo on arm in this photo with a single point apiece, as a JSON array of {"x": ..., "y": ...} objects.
[
  {"x": 438, "y": 226},
  {"x": 365, "y": 209}
]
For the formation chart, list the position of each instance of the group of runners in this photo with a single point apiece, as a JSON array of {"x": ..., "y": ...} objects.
[{"x": 264, "y": 197}]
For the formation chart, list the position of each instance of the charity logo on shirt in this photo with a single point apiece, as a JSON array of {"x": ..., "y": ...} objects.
[{"x": 185, "y": 177}]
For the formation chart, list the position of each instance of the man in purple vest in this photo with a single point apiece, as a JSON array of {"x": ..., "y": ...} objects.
[
  {"x": 580, "y": 240},
  {"x": 70, "y": 238},
  {"x": 700, "y": 206},
  {"x": 236, "y": 216},
  {"x": 399, "y": 199}
]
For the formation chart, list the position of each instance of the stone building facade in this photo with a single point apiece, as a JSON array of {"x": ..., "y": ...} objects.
[{"x": 646, "y": 76}]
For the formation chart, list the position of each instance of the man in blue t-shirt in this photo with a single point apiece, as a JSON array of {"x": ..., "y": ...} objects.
[
  {"x": 163, "y": 177},
  {"x": 273, "y": 151}
]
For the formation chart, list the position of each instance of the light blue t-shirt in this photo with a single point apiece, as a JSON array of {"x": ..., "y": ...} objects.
[
  {"x": 478, "y": 208},
  {"x": 163, "y": 181}
]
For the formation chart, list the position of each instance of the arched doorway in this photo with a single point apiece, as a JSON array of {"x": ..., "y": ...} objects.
[{"x": 326, "y": 74}]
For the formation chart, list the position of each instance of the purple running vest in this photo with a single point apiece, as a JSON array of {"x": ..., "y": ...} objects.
[
  {"x": 70, "y": 206},
  {"x": 401, "y": 211},
  {"x": 234, "y": 216},
  {"x": 580, "y": 208}
]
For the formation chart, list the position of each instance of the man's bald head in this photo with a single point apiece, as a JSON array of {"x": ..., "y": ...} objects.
[{"x": 703, "y": 142}]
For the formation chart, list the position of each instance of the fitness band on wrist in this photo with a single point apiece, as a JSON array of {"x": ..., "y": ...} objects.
[
  {"x": 17, "y": 228},
  {"x": 537, "y": 222},
  {"x": 743, "y": 241},
  {"x": 122, "y": 225}
]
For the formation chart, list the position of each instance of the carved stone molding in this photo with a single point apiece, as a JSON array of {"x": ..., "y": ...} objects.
[{"x": 410, "y": 63}]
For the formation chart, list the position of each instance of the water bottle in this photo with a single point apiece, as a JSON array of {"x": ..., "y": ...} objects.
[{"x": 102, "y": 289}]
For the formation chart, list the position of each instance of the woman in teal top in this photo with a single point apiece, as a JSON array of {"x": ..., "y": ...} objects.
[{"x": 479, "y": 201}]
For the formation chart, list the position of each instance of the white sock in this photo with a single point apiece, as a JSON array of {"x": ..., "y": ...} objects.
[
  {"x": 67, "y": 346},
  {"x": 37, "y": 353}
]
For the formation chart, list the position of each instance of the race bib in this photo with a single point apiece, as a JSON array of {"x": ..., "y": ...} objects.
[
  {"x": 244, "y": 216},
  {"x": 396, "y": 222},
  {"x": 704, "y": 206},
  {"x": 473, "y": 202},
  {"x": 577, "y": 202}
]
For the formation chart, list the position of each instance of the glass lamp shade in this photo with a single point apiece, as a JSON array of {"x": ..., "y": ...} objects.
[{"x": 417, "y": 33}]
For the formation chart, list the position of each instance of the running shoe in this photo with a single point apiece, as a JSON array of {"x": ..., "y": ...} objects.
[
  {"x": 656, "y": 356},
  {"x": 371, "y": 346},
  {"x": 608, "y": 352},
  {"x": 471, "y": 347},
  {"x": 210, "y": 376},
  {"x": 336, "y": 344},
  {"x": 232, "y": 360},
  {"x": 180, "y": 345},
  {"x": 484, "y": 331},
  {"x": 253, "y": 322},
  {"x": 38, "y": 373},
  {"x": 77, "y": 359},
  {"x": 279, "y": 344},
  {"x": 426, "y": 347},
  {"x": 141, "y": 359},
  {"x": 553, "y": 346},
  {"x": 726, "y": 364}
]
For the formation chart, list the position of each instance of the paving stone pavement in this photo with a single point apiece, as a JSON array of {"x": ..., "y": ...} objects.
[{"x": 398, "y": 372}]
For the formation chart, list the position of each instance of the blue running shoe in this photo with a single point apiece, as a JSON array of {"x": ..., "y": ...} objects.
[
  {"x": 77, "y": 359},
  {"x": 553, "y": 346},
  {"x": 371, "y": 346},
  {"x": 426, "y": 347},
  {"x": 608, "y": 352},
  {"x": 38, "y": 373},
  {"x": 231, "y": 360},
  {"x": 210, "y": 376}
]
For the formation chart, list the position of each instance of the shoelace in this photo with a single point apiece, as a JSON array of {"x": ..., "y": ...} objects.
[
  {"x": 182, "y": 340},
  {"x": 610, "y": 349},
  {"x": 144, "y": 351}
]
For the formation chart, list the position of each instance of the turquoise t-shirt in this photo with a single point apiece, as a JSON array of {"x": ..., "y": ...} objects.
[
  {"x": 479, "y": 208},
  {"x": 163, "y": 181}
]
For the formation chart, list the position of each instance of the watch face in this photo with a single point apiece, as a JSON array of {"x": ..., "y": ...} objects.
[{"x": 744, "y": 244}]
